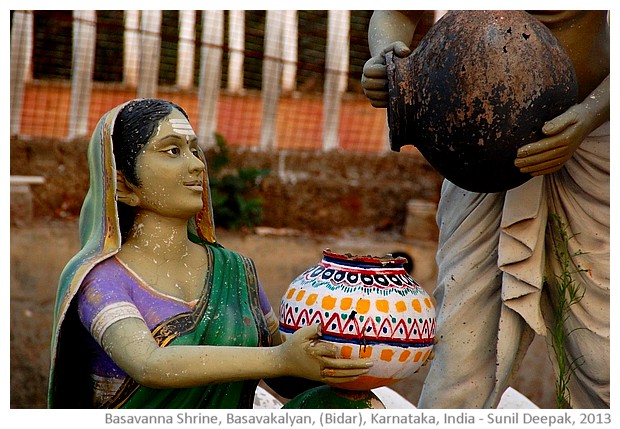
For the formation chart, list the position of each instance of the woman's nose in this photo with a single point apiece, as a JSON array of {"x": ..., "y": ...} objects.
[{"x": 195, "y": 163}]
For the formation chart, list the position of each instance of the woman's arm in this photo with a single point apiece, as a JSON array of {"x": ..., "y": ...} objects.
[{"x": 131, "y": 345}]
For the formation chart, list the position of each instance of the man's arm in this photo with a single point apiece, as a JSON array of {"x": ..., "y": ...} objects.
[
  {"x": 387, "y": 31},
  {"x": 565, "y": 133}
]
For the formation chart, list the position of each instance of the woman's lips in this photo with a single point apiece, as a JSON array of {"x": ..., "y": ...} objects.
[{"x": 195, "y": 185}]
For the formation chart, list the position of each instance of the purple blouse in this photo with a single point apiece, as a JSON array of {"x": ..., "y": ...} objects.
[{"x": 111, "y": 292}]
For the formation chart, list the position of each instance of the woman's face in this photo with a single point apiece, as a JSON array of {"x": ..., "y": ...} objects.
[{"x": 170, "y": 170}]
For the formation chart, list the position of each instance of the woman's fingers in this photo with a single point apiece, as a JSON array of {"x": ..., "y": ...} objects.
[
  {"x": 323, "y": 349},
  {"x": 333, "y": 367},
  {"x": 345, "y": 363},
  {"x": 339, "y": 370},
  {"x": 345, "y": 370},
  {"x": 312, "y": 332},
  {"x": 343, "y": 373}
]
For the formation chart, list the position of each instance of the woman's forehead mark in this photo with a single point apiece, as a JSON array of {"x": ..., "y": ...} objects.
[{"x": 182, "y": 126}]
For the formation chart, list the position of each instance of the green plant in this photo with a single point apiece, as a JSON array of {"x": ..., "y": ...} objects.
[
  {"x": 232, "y": 190},
  {"x": 569, "y": 292}
]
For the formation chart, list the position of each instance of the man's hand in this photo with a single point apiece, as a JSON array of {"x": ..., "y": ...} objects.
[
  {"x": 564, "y": 135},
  {"x": 374, "y": 76}
]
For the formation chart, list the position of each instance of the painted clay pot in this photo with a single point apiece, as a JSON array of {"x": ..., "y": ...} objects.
[
  {"x": 480, "y": 85},
  {"x": 370, "y": 307}
]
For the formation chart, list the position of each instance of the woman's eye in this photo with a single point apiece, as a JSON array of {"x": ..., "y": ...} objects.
[{"x": 173, "y": 151}]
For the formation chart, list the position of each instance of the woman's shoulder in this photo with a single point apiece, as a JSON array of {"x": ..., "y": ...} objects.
[
  {"x": 109, "y": 274},
  {"x": 220, "y": 251},
  {"x": 109, "y": 267}
]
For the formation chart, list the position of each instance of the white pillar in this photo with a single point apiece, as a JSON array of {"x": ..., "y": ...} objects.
[
  {"x": 210, "y": 75},
  {"x": 272, "y": 73},
  {"x": 150, "y": 51},
  {"x": 83, "y": 63},
  {"x": 21, "y": 62},
  {"x": 131, "y": 54},
  {"x": 185, "y": 53},
  {"x": 289, "y": 51},
  {"x": 236, "y": 42},
  {"x": 337, "y": 69}
]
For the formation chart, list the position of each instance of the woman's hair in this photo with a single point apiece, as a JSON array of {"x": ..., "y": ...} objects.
[{"x": 134, "y": 126}]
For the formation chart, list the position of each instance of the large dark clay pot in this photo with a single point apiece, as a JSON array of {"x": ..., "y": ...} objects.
[{"x": 480, "y": 85}]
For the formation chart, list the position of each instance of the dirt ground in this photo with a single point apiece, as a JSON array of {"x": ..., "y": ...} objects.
[{"x": 40, "y": 250}]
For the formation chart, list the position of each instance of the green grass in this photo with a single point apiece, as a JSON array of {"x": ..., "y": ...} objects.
[{"x": 569, "y": 293}]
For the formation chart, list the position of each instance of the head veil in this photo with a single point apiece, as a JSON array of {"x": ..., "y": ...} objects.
[{"x": 100, "y": 238}]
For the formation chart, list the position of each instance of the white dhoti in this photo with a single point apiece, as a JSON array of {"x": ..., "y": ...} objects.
[{"x": 496, "y": 251}]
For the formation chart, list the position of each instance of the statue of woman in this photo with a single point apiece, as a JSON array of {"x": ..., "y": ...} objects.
[{"x": 153, "y": 312}]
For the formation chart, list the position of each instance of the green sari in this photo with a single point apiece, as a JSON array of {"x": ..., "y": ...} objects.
[{"x": 228, "y": 312}]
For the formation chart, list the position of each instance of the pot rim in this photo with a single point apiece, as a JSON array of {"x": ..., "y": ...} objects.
[{"x": 379, "y": 261}]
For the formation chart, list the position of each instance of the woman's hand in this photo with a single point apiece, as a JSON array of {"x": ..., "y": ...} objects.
[
  {"x": 305, "y": 355},
  {"x": 374, "y": 76}
]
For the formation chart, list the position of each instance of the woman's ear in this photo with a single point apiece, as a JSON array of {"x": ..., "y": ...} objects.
[{"x": 124, "y": 191}]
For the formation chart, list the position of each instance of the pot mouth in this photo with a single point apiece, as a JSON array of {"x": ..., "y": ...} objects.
[{"x": 386, "y": 261}]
